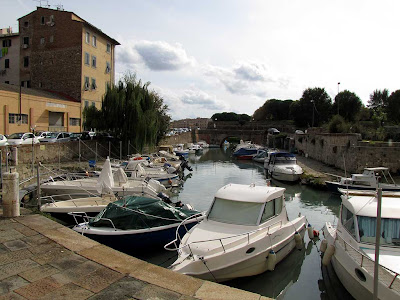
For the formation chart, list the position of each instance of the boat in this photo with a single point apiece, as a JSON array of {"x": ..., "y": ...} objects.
[
  {"x": 140, "y": 169},
  {"x": 195, "y": 149},
  {"x": 181, "y": 151},
  {"x": 137, "y": 223},
  {"x": 260, "y": 157},
  {"x": 350, "y": 247},
  {"x": 90, "y": 205},
  {"x": 203, "y": 144},
  {"x": 246, "y": 150},
  {"x": 283, "y": 166},
  {"x": 367, "y": 192},
  {"x": 368, "y": 180},
  {"x": 116, "y": 182},
  {"x": 246, "y": 232}
]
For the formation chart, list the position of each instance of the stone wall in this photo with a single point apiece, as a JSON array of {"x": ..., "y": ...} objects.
[
  {"x": 185, "y": 137},
  {"x": 348, "y": 151}
]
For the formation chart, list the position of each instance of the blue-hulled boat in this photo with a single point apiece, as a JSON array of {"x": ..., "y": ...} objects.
[
  {"x": 246, "y": 150},
  {"x": 135, "y": 222}
]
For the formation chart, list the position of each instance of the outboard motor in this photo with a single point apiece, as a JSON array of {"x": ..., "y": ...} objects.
[
  {"x": 164, "y": 197},
  {"x": 185, "y": 165}
]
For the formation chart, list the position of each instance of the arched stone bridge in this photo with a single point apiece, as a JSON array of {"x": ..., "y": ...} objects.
[{"x": 216, "y": 136}]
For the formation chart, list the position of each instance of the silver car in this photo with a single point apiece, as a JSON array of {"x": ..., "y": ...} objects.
[
  {"x": 21, "y": 138},
  {"x": 56, "y": 137}
]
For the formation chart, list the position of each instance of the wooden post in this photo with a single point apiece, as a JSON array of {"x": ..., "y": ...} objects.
[
  {"x": 39, "y": 201},
  {"x": 11, "y": 207}
]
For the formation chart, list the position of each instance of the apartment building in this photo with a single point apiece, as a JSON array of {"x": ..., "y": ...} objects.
[
  {"x": 61, "y": 52},
  {"x": 9, "y": 56}
]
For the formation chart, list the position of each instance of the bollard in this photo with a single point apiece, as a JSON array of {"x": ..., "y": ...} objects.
[
  {"x": 11, "y": 194},
  {"x": 14, "y": 156}
]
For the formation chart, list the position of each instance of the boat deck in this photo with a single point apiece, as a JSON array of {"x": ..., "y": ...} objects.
[{"x": 40, "y": 258}]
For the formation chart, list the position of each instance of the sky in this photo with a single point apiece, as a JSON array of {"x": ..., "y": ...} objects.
[{"x": 210, "y": 56}]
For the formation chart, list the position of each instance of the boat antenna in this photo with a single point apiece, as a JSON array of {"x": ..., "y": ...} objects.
[
  {"x": 345, "y": 173},
  {"x": 377, "y": 241}
]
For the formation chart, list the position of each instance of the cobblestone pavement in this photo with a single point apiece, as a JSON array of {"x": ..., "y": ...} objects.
[{"x": 41, "y": 259}]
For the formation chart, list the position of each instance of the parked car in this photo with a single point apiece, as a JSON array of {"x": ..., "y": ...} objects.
[
  {"x": 273, "y": 131},
  {"x": 56, "y": 137},
  {"x": 22, "y": 138},
  {"x": 105, "y": 136},
  {"x": 88, "y": 135},
  {"x": 75, "y": 136},
  {"x": 42, "y": 134},
  {"x": 3, "y": 140}
]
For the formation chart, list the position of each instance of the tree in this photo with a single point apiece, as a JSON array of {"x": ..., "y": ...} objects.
[
  {"x": 393, "y": 107},
  {"x": 91, "y": 118},
  {"x": 378, "y": 99},
  {"x": 133, "y": 113},
  {"x": 273, "y": 109},
  {"x": 313, "y": 108},
  {"x": 349, "y": 105},
  {"x": 230, "y": 116}
]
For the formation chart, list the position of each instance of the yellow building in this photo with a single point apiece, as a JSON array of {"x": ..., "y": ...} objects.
[{"x": 25, "y": 108}]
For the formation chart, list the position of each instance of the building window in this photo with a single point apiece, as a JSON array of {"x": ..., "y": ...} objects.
[
  {"x": 26, "y": 24},
  {"x": 94, "y": 86},
  {"x": 87, "y": 37},
  {"x": 86, "y": 103},
  {"x": 6, "y": 63},
  {"x": 87, "y": 86},
  {"x": 6, "y": 43},
  {"x": 42, "y": 41},
  {"x": 108, "y": 67},
  {"x": 40, "y": 84},
  {"x": 93, "y": 61},
  {"x": 74, "y": 121},
  {"x": 87, "y": 58},
  {"x": 26, "y": 61},
  {"x": 51, "y": 39},
  {"x": 94, "y": 41},
  {"x": 6, "y": 82},
  {"x": 22, "y": 83},
  {"x": 14, "y": 118},
  {"x": 26, "y": 41},
  {"x": 108, "y": 47},
  {"x": 43, "y": 20},
  {"x": 28, "y": 83}
]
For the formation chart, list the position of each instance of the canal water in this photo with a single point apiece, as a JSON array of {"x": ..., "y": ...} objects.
[{"x": 299, "y": 275}]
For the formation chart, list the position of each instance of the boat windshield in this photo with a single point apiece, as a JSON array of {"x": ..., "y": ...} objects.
[
  {"x": 390, "y": 230},
  {"x": 235, "y": 212},
  {"x": 285, "y": 160}
]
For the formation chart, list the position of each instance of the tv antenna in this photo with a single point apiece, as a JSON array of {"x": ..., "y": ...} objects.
[
  {"x": 44, "y": 1},
  {"x": 59, "y": 6}
]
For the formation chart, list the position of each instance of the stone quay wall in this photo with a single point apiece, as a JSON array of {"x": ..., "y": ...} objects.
[{"x": 347, "y": 151}]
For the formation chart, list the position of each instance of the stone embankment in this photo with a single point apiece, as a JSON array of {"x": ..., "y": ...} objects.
[{"x": 42, "y": 259}]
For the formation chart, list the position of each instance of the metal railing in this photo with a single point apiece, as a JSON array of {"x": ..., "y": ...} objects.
[
  {"x": 220, "y": 240},
  {"x": 388, "y": 277},
  {"x": 53, "y": 198}
]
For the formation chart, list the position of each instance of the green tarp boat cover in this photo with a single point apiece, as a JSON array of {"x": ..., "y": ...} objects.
[{"x": 134, "y": 212}]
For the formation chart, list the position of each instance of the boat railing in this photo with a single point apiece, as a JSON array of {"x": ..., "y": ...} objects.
[
  {"x": 62, "y": 197},
  {"x": 389, "y": 278},
  {"x": 177, "y": 246},
  {"x": 87, "y": 218}
]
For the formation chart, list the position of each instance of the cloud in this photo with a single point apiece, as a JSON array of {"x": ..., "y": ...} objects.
[
  {"x": 156, "y": 55},
  {"x": 250, "y": 79},
  {"x": 202, "y": 99}
]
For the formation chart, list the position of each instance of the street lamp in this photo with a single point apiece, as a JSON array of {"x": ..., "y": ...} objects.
[
  {"x": 338, "y": 85},
  {"x": 312, "y": 101}
]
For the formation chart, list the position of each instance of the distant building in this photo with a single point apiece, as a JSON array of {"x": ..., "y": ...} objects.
[
  {"x": 25, "y": 108},
  {"x": 62, "y": 52},
  {"x": 191, "y": 123},
  {"x": 9, "y": 56}
]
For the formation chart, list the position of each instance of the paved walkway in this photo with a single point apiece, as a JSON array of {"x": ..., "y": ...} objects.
[{"x": 42, "y": 259}]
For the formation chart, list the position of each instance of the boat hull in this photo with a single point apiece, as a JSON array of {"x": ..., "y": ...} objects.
[
  {"x": 134, "y": 240},
  {"x": 249, "y": 265},
  {"x": 285, "y": 177},
  {"x": 334, "y": 186}
]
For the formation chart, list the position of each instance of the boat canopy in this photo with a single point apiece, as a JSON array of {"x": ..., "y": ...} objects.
[
  {"x": 250, "y": 193},
  {"x": 367, "y": 206},
  {"x": 282, "y": 154},
  {"x": 134, "y": 212}
]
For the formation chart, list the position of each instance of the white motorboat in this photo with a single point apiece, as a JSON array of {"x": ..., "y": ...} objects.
[
  {"x": 203, "y": 144},
  {"x": 90, "y": 205},
  {"x": 114, "y": 182},
  {"x": 136, "y": 169},
  {"x": 368, "y": 180},
  {"x": 351, "y": 246},
  {"x": 246, "y": 150},
  {"x": 260, "y": 157},
  {"x": 246, "y": 232},
  {"x": 282, "y": 166}
]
